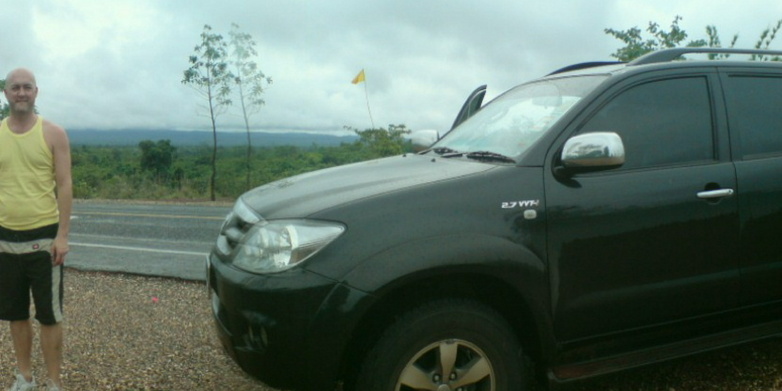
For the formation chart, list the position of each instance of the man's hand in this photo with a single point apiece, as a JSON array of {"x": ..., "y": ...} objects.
[{"x": 59, "y": 250}]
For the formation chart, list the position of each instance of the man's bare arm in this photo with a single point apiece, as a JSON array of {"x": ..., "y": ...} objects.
[{"x": 61, "y": 152}]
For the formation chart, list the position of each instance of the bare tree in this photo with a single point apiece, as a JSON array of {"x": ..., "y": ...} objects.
[
  {"x": 208, "y": 74},
  {"x": 250, "y": 82}
]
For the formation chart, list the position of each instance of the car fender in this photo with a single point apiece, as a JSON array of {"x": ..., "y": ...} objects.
[
  {"x": 489, "y": 258},
  {"x": 454, "y": 253}
]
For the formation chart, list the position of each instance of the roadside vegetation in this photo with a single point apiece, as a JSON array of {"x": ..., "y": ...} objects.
[{"x": 157, "y": 170}]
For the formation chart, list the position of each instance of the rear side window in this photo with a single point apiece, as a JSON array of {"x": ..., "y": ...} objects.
[
  {"x": 663, "y": 122},
  {"x": 755, "y": 110}
]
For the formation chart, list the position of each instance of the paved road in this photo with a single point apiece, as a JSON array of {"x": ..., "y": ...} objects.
[{"x": 160, "y": 239}]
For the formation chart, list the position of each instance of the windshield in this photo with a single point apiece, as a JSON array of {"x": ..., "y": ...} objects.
[{"x": 514, "y": 121}]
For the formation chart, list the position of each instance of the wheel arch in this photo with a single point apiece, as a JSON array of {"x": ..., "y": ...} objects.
[{"x": 488, "y": 290}]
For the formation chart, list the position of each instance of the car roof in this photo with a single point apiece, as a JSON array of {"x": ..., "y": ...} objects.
[{"x": 674, "y": 58}]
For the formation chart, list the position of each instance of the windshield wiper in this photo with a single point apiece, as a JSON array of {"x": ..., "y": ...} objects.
[
  {"x": 444, "y": 151},
  {"x": 477, "y": 155},
  {"x": 489, "y": 156}
]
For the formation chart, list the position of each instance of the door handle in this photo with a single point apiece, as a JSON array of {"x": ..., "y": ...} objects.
[{"x": 711, "y": 194}]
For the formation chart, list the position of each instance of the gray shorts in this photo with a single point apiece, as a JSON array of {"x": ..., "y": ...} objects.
[{"x": 25, "y": 268}]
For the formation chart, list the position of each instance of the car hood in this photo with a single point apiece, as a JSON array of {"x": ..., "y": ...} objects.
[{"x": 306, "y": 194}]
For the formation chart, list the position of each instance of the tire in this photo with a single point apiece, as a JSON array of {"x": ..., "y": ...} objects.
[{"x": 478, "y": 346}]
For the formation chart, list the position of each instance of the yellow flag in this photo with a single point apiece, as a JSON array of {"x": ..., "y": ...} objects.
[{"x": 359, "y": 78}]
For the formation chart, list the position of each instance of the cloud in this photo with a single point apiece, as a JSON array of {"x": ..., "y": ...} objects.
[{"x": 119, "y": 64}]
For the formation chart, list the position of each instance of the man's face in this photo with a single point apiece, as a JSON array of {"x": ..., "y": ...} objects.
[{"x": 21, "y": 91}]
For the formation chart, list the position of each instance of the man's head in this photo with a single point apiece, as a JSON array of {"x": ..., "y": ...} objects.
[{"x": 21, "y": 91}]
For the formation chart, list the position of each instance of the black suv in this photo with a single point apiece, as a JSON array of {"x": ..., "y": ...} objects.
[{"x": 599, "y": 218}]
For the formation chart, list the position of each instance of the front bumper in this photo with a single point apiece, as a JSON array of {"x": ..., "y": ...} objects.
[{"x": 265, "y": 322}]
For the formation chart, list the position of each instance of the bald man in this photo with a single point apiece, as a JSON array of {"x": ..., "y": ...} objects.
[{"x": 35, "y": 208}]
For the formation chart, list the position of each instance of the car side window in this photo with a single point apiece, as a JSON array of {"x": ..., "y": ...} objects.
[
  {"x": 663, "y": 122},
  {"x": 755, "y": 109}
]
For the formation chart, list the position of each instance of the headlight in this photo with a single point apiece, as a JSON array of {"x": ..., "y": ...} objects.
[{"x": 273, "y": 246}]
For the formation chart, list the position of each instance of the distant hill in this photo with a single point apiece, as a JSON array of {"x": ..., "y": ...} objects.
[{"x": 132, "y": 137}]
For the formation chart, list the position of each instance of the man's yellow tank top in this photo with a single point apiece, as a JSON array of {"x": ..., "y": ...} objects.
[{"x": 27, "y": 182}]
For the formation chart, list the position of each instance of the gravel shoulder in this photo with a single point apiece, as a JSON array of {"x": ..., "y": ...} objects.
[{"x": 129, "y": 332}]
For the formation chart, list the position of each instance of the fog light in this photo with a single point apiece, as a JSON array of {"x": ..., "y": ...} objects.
[{"x": 257, "y": 337}]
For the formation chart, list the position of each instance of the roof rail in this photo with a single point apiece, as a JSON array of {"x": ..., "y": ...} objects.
[
  {"x": 583, "y": 65},
  {"x": 667, "y": 55}
]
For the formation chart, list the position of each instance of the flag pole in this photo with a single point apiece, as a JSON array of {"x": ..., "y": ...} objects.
[
  {"x": 366, "y": 94},
  {"x": 361, "y": 77}
]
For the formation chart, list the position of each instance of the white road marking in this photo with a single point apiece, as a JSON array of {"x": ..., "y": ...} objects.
[
  {"x": 218, "y": 218},
  {"x": 152, "y": 250}
]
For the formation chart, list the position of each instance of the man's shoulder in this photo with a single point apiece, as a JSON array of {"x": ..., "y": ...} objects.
[
  {"x": 49, "y": 126},
  {"x": 54, "y": 134}
]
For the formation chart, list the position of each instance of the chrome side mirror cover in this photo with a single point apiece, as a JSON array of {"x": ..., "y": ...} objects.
[{"x": 598, "y": 150}]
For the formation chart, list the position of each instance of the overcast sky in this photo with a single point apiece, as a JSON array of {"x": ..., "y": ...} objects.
[{"x": 118, "y": 64}]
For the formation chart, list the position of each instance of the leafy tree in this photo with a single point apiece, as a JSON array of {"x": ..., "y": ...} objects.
[
  {"x": 157, "y": 157},
  {"x": 4, "y": 108},
  {"x": 382, "y": 142},
  {"x": 208, "y": 74},
  {"x": 766, "y": 37},
  {"x": 250, "y": 81},
  {"x": 636, "y": 45}
]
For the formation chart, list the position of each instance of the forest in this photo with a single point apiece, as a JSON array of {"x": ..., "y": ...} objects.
[{"x": 161, "y": 171}]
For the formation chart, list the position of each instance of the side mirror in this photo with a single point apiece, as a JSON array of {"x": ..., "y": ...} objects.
[
  {"x": 423, "y": 139},
  {"x": 593, "y": 152}
]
